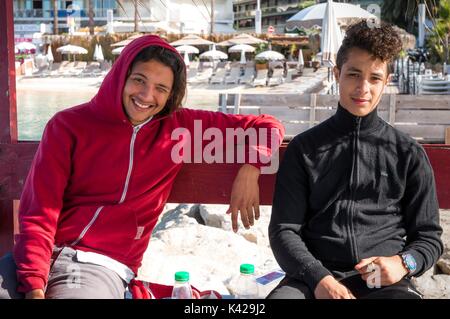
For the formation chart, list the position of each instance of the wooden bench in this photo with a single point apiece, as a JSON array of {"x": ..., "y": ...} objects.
[{"x": 194, "y": 184}]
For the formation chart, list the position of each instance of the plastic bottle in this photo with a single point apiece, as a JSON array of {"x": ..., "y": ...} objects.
[
  {"x": 182, "y": 289},
  {"x": 246, "y": 283}
]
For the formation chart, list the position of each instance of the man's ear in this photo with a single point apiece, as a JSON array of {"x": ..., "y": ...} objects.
[
  {"x": 336, "y": 73},
  {"x": 388, "y": 79}
]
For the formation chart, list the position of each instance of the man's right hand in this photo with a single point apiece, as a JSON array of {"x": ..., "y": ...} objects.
[
  {"x": 330, "y": 288},
  {"x": 35, "y": 294}
]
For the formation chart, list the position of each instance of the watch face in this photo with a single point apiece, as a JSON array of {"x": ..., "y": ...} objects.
[{"x": 410, "y": 262}]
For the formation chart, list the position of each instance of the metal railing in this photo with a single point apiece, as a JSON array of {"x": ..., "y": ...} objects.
[{"x": 40, "y": 13}]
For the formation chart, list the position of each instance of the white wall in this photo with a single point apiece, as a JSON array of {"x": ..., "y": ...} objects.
[{"x": 195, "y": 18}]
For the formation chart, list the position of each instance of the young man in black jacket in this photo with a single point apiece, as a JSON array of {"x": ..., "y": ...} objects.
[{"x": 355, "y": 212}]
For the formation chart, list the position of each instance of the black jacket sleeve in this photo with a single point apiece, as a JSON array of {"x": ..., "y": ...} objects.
[
  {"x": 289, "y": 213},
  {"x": 421, "y": 211}
]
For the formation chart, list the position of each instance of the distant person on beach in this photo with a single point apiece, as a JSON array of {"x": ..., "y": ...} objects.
[
  {"x": 355, "y": 213},
  {"x": 104, "y": 170}
]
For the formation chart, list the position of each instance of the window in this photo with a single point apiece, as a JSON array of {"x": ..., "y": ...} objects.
[{"x": 37, "y": 4}]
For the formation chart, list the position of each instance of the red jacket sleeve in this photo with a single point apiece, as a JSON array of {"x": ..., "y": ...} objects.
[
  {"x": 40, "y": 206},
  {"x": 258, "y": 136}
]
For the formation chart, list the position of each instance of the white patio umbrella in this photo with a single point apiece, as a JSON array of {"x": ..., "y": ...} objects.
[
  {"x": 50, "y": 54},
  {"x": 242, "y": 38},
  {"x": 99, "y": 57},
  {"x": 270, "y": 55},
  {"x": 72, "y": 49},
  {"x": 117, "y": 51},
  {"x": 243, "y": 48},
  {"x": 191, "y": 40},
  {"x": 214, "y": 54},
  {"x": 187, "y": 49},
  {"x": 126, "y": 41},
  {"x": 25, "y": 46},
  {"x": 314, "y": 15}
]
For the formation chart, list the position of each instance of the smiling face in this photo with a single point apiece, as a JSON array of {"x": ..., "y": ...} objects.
[
  {"x": 146, "y": 91},
  {"x": 362, "y": 80}
]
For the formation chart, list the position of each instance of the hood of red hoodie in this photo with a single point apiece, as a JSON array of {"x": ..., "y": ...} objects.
[{"x": 108, "y": 100}]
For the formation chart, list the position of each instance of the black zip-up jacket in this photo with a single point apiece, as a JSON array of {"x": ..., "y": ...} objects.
[{"x": 352, "y": 188}]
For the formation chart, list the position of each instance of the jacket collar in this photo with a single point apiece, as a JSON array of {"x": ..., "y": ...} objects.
[{"x": 345, "y": 121}]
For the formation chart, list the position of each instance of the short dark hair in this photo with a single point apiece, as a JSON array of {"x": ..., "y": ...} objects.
[
  {"x": 381, "y": 41},
  {"x": 176, "y": 64}
]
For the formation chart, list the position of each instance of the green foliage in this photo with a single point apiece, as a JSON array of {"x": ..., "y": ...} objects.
[
  {"x": 306, "y": 4},
  {"x": 438, "y": 42}
]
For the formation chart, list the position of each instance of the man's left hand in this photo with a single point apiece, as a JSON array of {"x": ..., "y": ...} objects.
[
  {"x": 245, "y": 197},
  {"x": 390, "y": 269}
]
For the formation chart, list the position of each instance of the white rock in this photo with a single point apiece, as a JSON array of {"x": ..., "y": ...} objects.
[
  {"x": 433, "y": 286},
  {"x": 211, "y": 255},
  {"x": 215, "y": 216}
]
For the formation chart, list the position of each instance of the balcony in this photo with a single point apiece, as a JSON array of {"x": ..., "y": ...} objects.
[
  {"x": 244, "y": 15},
  {"x": 39, "y": 13}
]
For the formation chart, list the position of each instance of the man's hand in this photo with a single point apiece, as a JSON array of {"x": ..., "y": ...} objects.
[
  {"x": 245, "y": 197},
  {"x": 330, "y": 288},
  {"x": 390, "y": 269},
  {"x": 35, "y": 294}
]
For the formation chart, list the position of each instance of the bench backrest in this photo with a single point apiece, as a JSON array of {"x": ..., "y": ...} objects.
[{"x": 425, "y": 118}]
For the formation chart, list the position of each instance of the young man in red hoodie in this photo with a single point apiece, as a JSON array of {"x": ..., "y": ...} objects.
[{"x": 102, "y": 175}]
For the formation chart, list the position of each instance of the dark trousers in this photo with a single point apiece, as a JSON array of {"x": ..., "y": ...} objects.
[{"x": 290, "y": 288}]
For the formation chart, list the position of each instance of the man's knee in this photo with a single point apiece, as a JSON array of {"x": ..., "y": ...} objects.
[
  {"x": 8, "y": 278},
  {"x": 290, "y": 288}
]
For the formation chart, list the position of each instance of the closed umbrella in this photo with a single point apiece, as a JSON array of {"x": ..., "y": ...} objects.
[
  {"x": 331, "y": 37},
  {"x": 186, "y": 58},
  {"x": 50, "y": 54},
  {"x": 100, "y": 57},
  {"x": 95, "y": 53},
  {"x": 301, "y": 60},
  {"x": 117, "y": 51}
]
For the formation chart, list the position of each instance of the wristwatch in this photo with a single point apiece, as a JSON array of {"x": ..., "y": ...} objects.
[{"x": 409, "y": 262}]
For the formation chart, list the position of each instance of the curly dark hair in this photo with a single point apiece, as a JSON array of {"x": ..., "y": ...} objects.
[
  {"x": 173, "y": 61},
  {"x": 381, "y": 41}
]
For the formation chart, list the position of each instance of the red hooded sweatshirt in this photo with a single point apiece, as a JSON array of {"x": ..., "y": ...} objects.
[{"x": 98, "y": 184}]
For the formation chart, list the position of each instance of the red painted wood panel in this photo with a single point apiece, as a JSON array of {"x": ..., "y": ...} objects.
[
  {"x": 439, "y": 156},
  {"x": 199, "y": 183},
  {"x": 8, "y": 110}
]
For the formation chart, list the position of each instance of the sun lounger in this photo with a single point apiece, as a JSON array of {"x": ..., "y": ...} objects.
[
  {"x": 218, "y": 77},
  {"x": 261, "y": 78},
  {"x": 248, "y": 76},
  {"x": 233, "y": 78},
  {"x": 276, "y": 78}
]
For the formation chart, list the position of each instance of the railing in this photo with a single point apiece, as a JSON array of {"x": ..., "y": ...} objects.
[
  {"x": 40, "y": 13},
  {"x": 425, "y": 118}
]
